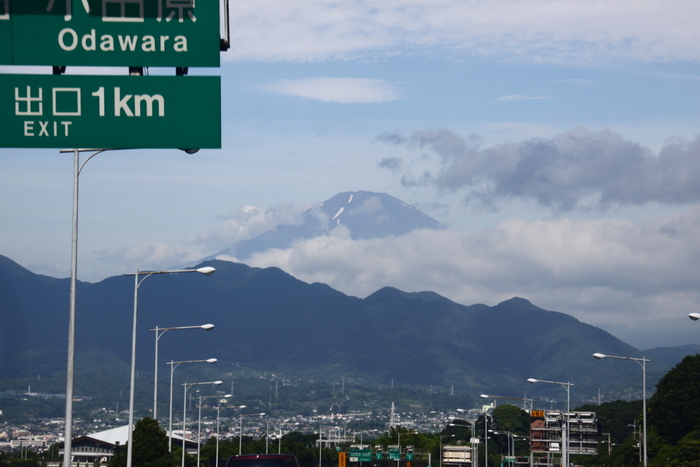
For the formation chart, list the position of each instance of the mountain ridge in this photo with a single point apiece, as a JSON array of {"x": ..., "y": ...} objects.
[{"x": 269, "y": 320}]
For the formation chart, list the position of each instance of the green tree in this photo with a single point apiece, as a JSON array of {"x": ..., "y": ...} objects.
[
  {"x": 616, "y": 418},
  {"x": 150, "y": 447},
  {"x": 674, "y": 409},
  {"x": 508, "y": 417}
]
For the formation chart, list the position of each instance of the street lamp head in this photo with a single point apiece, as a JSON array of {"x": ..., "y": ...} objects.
[
  {"x": 207, "y": 327},
  {"x": 212, "y": 360},
  {"x": 694, "y": 316},
  {"x": 599, "y": 355},
  {"x": 531, "y": 380},
  {"x": 227, "y": 396},
  {"x": 218, "y": 382},
  {"x": 190, "y": 150},
  {"x": 484, "y": 396},
  {"x": 207, "y": 270}
]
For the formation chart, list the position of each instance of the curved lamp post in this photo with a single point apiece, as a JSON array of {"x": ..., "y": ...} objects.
[
  {"x": 471, "y": 434},
  {"x": 565, "y": 442},
  {"x": 643, "y": 363},
  {"x": 486, "y": 436},
  {"x": 70, "y": 367},
  {"x": 207, "y": 271},
  {"x": 441, "y": 438},
  {"x": 184, "y": 411},
  {"x": 174, "y": 365},
  {"x": 486, "y": 439},
  {"x": 159, "y": 332},
  {"x": 218, "y": 412},
  {"x": 199, "y": 423},
  {"x": 530, "y": 404},
  {"x": 510, "y": 441},
  {"x": 240, "y": 427}
]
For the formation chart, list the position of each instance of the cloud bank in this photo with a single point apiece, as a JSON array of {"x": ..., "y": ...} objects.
[
  {"x": 635, "y": 280},
  {"x": 580, "y": 169},
  {"x": 572, "y": 31}
]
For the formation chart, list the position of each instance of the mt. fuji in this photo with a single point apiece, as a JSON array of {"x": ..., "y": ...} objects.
[{"x": 365, "y": 214}]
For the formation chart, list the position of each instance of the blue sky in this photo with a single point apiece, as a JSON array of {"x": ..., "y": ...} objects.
[{"x": 556, "y": 138}]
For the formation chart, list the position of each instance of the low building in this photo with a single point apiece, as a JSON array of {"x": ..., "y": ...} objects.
[
  {"x": 547, "y": 427},
  {"x": 99, "y": 448}
]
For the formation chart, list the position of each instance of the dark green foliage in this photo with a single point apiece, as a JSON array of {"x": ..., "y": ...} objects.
[
  {"x": 617, "y": 418},
  {"x": 508, "y": 417},
  {"x": 461, "y": 430},
  {"x": 150, "y": 447},
  {"x": 15, "y": 460},
  {"x": 675, "y": 409}
]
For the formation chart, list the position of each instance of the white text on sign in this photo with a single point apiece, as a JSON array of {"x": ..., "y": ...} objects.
[
  {"x": 68, "y": 102},
  {"x": 69, "y": 40}
]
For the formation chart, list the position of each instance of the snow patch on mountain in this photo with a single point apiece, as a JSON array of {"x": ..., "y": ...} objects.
[{"x": 366, "y": 215}]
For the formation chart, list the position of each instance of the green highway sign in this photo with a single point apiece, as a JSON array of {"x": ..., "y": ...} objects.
[
  {"x": 394, "y": 453},
  {"x": 360, "y": 455},
  {"x": 71, "y": 111},
  {"x": 5, "y": 33},
  {"x": 135, "y": 33}
]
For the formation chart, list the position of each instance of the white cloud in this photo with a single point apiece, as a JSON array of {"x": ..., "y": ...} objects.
[
  {"x": 520, "y": 97},
  {"x": 145, "y": 256},
  {"x": 576, "y": 170},
  {"x": 246, "y": 223},
  {"x": 534, "y": 30},
  {"x": 342, "y": 90},
  {"x": 614, "y": 274}
]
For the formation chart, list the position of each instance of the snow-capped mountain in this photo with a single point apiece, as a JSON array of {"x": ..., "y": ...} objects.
[{"x": 365, "y": 214}]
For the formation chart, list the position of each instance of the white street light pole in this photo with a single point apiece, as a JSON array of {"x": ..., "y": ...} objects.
[
  {"x": 565, "y": 439},
  {"x": 218, "y": 412},
  {"x": 159, "y": 332},
  {"x": 199, "y": 422},
  {"x": 174, "y": 365},
  {"x": 643, "y": 363},
  {"x": 207, "y": 271},
  {"x": 184, "y": 411},
  {"x": 441, "y": 438},
  {"x": 530, "y": 404},
  {"x": 240, "y": 427},
  {"x": 471, "y": 433},
  {"x": 70, "y": 367},
  {"x": 486, "y": 440},
  {"x": 510, "y": 442}
]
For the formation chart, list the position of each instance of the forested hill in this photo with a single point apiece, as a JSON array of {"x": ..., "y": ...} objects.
[{"x": 268, "y": 320}]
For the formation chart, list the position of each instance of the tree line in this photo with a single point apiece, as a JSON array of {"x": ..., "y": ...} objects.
[{"x": 673, "y": 415}]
